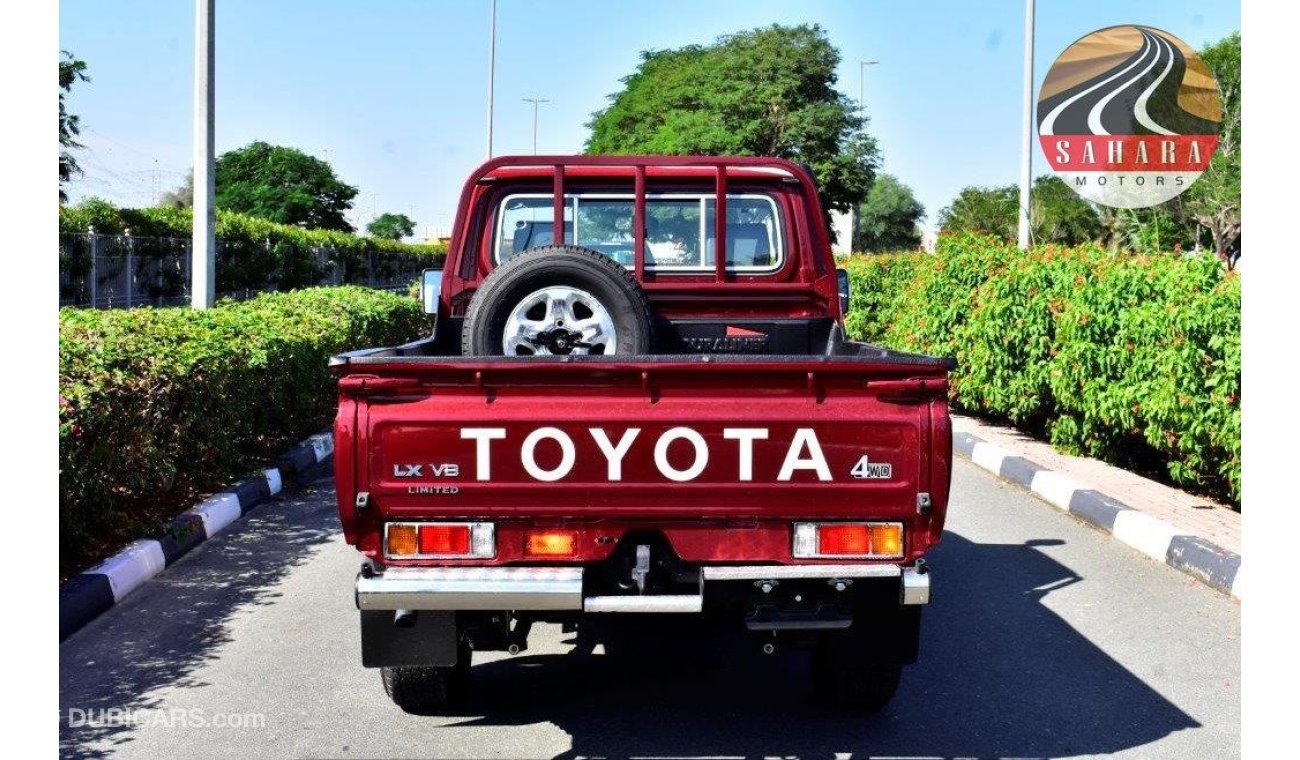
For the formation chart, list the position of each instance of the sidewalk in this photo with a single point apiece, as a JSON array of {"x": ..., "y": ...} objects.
[{"x": 1192, "y": 533}]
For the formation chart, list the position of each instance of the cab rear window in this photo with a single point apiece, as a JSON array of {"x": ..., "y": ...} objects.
[{"x": 679, "y": 229}]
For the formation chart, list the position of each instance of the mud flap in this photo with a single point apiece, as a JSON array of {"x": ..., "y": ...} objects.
[
  {"x": 409, "y": 638},
  {"x": 877, "y": 637}
]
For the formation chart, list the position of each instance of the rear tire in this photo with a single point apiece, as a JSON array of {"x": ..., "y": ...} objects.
[
  {"x": 426, "y": 690},
  {"x": 854, "y": 686}
]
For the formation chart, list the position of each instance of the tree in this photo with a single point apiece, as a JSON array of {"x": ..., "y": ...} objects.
[
  {"x": 888, "y": 218},
  {"x": 764, "y": 92},
  {"x": 1154, "y": 229},
  {"x": 71, "y": 70},
  {"x": 1214, "y": 199},
  {"x": 988, "y": 210},
  {"x": 182, "y": 196},
  {"x": 1058, "y": 214},
  {"x": 391, "y": 226},
  {"x": 283, "y": 185}
]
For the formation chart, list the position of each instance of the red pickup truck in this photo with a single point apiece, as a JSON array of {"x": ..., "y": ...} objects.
[{"x": 638, "y": 404}]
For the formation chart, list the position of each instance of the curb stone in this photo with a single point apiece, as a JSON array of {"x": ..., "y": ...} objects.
[
  {"x": 1205, "y": 561},
  {"x": 89, "y": 594}
]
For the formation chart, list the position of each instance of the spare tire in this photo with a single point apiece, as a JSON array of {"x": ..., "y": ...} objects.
[{"x": 558, "y": 300}]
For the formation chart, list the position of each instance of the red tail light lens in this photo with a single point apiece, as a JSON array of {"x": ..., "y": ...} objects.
[
  {"x": 842, "y": 539},
  {"x": 444, "y": 539}
]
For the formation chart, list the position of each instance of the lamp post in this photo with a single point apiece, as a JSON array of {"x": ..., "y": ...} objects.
[
  {"x": 1027, "y": 124},
  {"x": 862, "y": 86},
  {"x": 203, "y": 259},
  {"x": 536, "y": 102},
  {"x": 492, "y": 71}
]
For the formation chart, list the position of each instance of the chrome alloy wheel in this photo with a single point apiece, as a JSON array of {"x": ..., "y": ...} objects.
[{"x": 559, "y": 320}]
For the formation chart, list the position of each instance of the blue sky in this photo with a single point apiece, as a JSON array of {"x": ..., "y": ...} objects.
[{"x": 393, "y": 92}]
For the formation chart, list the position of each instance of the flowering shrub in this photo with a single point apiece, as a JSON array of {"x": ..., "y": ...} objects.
[{"x": 1132, "y": 359}]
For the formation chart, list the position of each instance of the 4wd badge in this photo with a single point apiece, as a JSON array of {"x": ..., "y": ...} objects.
[{"x": 868, "y": 470}]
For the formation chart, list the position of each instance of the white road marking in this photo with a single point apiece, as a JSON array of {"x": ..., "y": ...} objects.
[
  {"x": 217, "y": 512},
  {"x": 1054, "y": 487},
  {"x": 322, "y": 444},
  {"x": 273, "y": 481},
  {"x": 132, "y": 566},
  {"x": 989, "y": 457},
  {"x": 1145, "y": 533}
]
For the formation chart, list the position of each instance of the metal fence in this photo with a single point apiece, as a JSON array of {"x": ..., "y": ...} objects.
[{"x": 122, "y": 271}]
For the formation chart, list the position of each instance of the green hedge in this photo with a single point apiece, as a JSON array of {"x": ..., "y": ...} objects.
[
  {"x": 255, "y": 252},
  {"x": 157, "y": 405},
  {"x": 1133, "y": 359}
]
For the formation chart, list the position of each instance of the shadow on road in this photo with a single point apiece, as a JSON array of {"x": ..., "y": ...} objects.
[
  {"x": 179, "y": 622},
  {"x": 1000, "y": 675}
]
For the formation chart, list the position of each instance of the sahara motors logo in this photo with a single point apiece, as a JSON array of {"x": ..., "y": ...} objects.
[{"x": 1129, "y": 116}]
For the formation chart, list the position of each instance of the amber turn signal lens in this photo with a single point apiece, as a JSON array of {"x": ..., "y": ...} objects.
[
  {"x": 887, "y": 539},
  {"x": 551, "y": 543},
  {"x": 843, "y": 539},
  {"x": 401, "y": 540},
  {"x": 444, "y": 539}
]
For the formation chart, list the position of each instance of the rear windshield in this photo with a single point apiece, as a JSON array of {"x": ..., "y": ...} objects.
[{"x": 679, "y": 229}]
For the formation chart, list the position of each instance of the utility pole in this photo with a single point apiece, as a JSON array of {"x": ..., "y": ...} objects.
[
  {"x": 862, "y": 87},
  {"x": 536, "y": 102},
  {"x": 492, "y": 71},
  {"x": 1027, "y": 138},
  {"x": 203, "y": 264}
]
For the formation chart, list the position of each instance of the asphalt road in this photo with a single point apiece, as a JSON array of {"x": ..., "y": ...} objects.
[{"x": 1045, "y": 638}]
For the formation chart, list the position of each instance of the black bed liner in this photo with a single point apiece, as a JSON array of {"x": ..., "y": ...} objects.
[{"x": 838, "y": 348}]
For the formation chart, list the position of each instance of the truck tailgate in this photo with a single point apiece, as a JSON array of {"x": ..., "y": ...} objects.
[{"x": 701, "y": 439}]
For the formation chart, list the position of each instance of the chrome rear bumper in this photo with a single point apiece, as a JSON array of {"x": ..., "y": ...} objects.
[
  {"x": 560, "y": 588},
  {"x": 472, "y": 588}
]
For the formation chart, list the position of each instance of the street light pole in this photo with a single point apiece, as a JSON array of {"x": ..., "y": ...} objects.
[
  {"x": 203, "y": 263},
  {"x": 1027, "y": 123},
  {"x": 536, "y": 102},
  {"x": 492, "y": 71},
  {"x": 862, "y": 87}
]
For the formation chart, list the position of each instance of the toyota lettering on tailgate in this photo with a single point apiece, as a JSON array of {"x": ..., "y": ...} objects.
[{"x": 678, "y": 454}]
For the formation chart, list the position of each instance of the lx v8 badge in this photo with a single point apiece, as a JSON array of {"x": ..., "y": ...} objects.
[
  {"x": 866, "y": 469},
  {"x": 444, "y": 470}
]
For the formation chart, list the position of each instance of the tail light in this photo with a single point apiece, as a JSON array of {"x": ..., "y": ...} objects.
[
  {"x": 461, "y": 540},
  {"x": 551, "y": 543},
  {"x": 444, "y": 539},
  {"x": 862, "y": 540}
]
